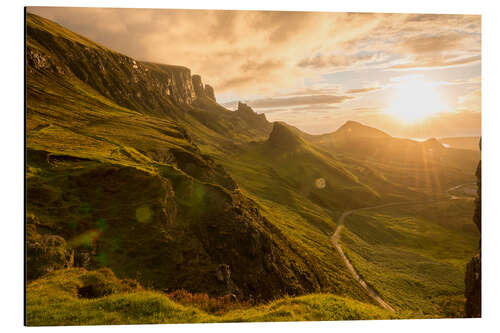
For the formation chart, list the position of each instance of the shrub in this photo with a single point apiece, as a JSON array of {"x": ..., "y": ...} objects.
[
  {"x": 103, "y": 282},
  {"x": 215, "y": 305}
]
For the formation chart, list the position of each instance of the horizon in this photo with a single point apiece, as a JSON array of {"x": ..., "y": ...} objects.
[{"x": 410, "y": 75}]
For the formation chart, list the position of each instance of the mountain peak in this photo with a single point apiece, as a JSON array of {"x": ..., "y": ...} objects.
[
  {"x": 353, "y": 128},
  {"x": 283, "y": 137},
  {"x": 433, "y": 143}
]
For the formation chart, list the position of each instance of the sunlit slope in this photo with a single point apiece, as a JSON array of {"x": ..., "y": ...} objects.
[
  {"x": 414, "y": 255},
  {"x": 132, "y": 191},
  {"x": 54, "y": 300},
  {"x": 425, "y": 166}
]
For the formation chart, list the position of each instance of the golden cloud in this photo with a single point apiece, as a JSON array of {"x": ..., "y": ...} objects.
[{"x": 262, "y": 52}]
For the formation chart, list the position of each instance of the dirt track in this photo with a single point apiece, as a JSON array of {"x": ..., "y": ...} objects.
[{"x": 336, "y": 237}]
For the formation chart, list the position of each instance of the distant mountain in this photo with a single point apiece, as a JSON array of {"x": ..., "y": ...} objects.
[{"x": 354, "y": 129}]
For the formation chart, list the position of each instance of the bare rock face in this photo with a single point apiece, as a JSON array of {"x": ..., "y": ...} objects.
[
  {"x": 198, "y": 86},
  {"x": 223, "y": 275},
  {"x": 473, "y": 288},
  {"x": 209, "y": 92},
  {"x": 473, "y": 270}
]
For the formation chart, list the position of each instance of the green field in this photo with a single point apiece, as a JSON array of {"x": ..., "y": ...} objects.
[{"x": 414, "y": 255}]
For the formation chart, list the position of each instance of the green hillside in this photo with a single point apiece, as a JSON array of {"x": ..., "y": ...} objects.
[
  {"x": 426, "y": 166},
  {"x": 53, "y": 301},
  {"x": 415, "y": 255},
  {"x": 134, "y": 179}
]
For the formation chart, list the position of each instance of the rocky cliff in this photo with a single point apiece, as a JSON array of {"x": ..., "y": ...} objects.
[
  {"x": 209, "y": 92},
  {"x": 201, "y": 90},
  {"x": 473, "y": 269},
  {"x": 146, "y": 87}
]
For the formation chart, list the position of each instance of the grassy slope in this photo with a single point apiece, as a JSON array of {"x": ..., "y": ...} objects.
[
  {"x": 425, "y": 167},
  {"x": 414, "y": 255},
  {"x": 89, "y": 132},
  {"x": 101, "y": 131},
  {"x": 53, "y": 300}
]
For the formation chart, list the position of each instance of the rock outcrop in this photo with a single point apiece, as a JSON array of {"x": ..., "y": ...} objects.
[
  {"x": 473, "y": 269},
  {"x": 198, "y": 86},
  {"x": 252, "y": 118},
  {"x": 44, "y": 252},
  {"x": 209, "y": 92},
  {"x": 201, "y": 90}
]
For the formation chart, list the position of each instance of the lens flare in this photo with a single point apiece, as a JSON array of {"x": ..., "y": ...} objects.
[
  {"x": 320, "y": 183},
  {"x": 143, "y": 214}
]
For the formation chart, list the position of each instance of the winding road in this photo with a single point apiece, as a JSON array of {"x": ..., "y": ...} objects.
[{"x": 336, "y": 237}]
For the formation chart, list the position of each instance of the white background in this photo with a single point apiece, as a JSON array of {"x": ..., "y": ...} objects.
[{"x": 12, "y": 157}]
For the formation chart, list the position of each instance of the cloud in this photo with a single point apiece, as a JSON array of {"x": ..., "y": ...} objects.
[
  {"x": 434, "y": 43},
  {"x": 274, "y": 102},
  {"x": 470, "y": 102},
  {"x": 433, "y": 62},
  {"x": 340, "y": 61},
  {"x": 274, "y": 59},
  {"x": 363, "y": 90},
  {"x": 242, "y": 52}
]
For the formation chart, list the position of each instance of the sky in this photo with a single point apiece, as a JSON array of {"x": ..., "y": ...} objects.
[{"x": 411, "y": 75}]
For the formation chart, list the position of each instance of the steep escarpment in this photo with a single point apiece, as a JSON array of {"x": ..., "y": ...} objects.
[
  {"x": 473, "y": 269},
  {"x": 146, "y": 87}
]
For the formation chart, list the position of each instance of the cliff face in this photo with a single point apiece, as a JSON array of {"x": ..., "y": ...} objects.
[
  {"x": 201, "y": 90},
  {"x": 147, "y": 87},
  {"x": 209, "y": 92},
  {"x": 198, "y": 86},
  {"x": 473, "y": 269}
]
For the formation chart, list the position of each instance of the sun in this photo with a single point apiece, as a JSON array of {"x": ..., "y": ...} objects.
[{"x": 415, "y": 99}]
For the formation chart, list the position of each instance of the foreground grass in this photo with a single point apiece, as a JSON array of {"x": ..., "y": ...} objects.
[{"x": 53, "y": 301}]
